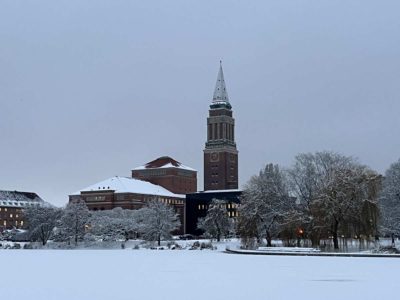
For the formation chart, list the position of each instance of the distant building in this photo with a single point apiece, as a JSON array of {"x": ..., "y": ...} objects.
[
  {"x": 168, "y": 173},
  {"x": 11, "y": 205},
  {"x": 128, "y": 193}
]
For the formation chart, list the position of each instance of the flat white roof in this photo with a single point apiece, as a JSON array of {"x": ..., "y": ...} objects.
[
  {"x": 129, "y": 185},
  {"x": 220, "y": 191}
]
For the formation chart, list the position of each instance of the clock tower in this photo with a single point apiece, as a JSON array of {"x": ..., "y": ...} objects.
[{"x": 220, "y": 153}]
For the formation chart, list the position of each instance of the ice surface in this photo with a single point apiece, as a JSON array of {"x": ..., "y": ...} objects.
[{"x": 165, "y": 274}]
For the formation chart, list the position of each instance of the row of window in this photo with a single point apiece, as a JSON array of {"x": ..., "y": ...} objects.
[
  {"x": 14, "y": 223},
  {"x": 96, "y": 198},
  {"x": 156, "y": 172},
  {"x": 218, "y": 131},
  {"x": 11, "y": 216},
  {"x": 6, "y": 209},
  {"x": 170, "y": 201},
  {"x": 228, "y": 206},
  {"x": 104, "y": 188},
  {"x": 233, "y": 213},
  {"x": 122, "y": 197},
  {"x": 185, "y": 173}
]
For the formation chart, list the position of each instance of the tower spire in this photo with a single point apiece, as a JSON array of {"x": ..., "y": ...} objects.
[{"x": 220, "y": 92}]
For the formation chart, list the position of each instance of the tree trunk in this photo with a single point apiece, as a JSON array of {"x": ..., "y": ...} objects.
[
  {"x": 315, "y": 239},
  {"x": 393, "y": 244},
  {"x": 335, "y": 235},
  {"x": 159, "y": 240},
  {"x": 269, "y": 239}
]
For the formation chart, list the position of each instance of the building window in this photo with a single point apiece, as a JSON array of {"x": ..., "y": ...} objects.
[
  {"x": 11, "y": 215},
  {"x": 5, "y": 223},
  {"x": 16, "y": 216},
  {"x": 22, "y": 223},
  {"x": 5, "y": 209}
]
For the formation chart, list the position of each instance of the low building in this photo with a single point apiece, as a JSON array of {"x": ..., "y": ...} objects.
[
  {"x": 128, "y": 193},
  {"x": 197, "y": 206},
  {"x": 168, "y": 173},
  {"x": 12, "y": 204}
]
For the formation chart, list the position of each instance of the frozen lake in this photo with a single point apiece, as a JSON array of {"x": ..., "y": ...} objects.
[{"x": 164, "y": 274}]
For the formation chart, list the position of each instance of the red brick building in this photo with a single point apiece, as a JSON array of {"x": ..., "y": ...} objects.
[
  {"x": 128, "y": 193},
  {"x": 12, "y": 204},
  {"x": 168, "y": 173}
]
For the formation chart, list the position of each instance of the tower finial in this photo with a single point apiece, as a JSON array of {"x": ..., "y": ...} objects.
[{"x": 220, "y": 92}]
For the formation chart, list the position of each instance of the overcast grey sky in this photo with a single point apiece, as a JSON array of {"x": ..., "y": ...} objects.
[{"x": 92, "y": 89}]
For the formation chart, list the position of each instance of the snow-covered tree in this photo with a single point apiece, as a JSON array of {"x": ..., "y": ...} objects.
[
  {"x": 217, "y": 222},
  {"x": 157, "y": 220},
  {"x": 74, "y": 222},
  {"x": 114, "y": 224},
  {"x": 390, "y": 201},
  {"x": 265, "y": 205},
  {"x": 41, "y": 222}
]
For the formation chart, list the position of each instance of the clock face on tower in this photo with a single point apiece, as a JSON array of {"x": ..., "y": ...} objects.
[{"x": 214, "y": 156}]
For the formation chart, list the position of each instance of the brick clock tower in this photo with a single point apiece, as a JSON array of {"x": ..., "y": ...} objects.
[{"x": 220, "y": 153}]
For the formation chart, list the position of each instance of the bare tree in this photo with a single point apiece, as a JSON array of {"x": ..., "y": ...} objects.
[
  {"x": 305, "y": 186},
  {"x": 333, "y": 191}
]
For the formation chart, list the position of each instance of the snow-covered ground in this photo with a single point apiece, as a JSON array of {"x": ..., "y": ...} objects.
[{"x": 184, "y": 274}]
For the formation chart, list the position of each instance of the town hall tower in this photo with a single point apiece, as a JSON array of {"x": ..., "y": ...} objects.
[{"x": 220, "y": 153}]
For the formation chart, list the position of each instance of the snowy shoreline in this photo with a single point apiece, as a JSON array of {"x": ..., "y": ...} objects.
[{"x": 311, "y": 253}]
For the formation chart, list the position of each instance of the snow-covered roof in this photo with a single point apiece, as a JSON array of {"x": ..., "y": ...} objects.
[
  {"x": 19, "y": 199},
  {"x": 221, "y": 191},
  {"x": 129, "y": 185},
  {"x": 164, "y": 162}
]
